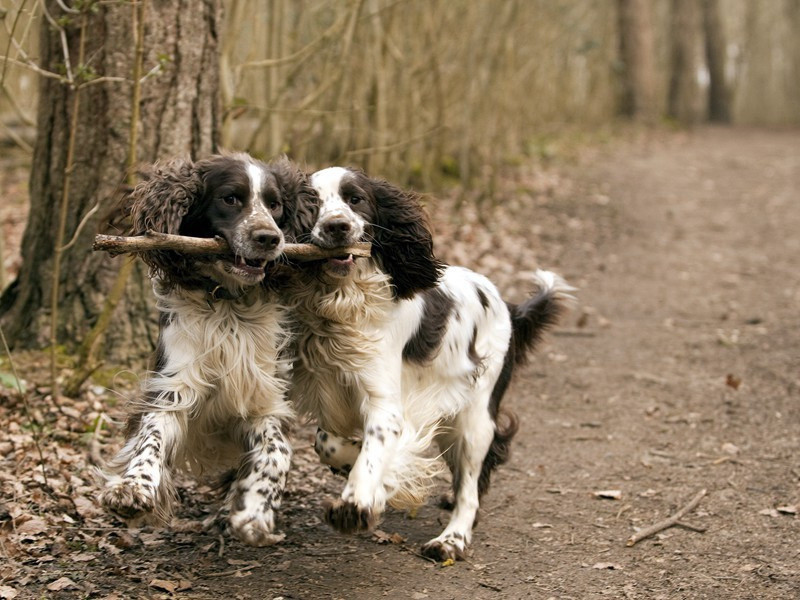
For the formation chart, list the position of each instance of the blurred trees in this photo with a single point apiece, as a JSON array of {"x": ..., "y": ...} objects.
[
  {"x": 637, "y": 58},
  {"x": 414, "y": 90}
]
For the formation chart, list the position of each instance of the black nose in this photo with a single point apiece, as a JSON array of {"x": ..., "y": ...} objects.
[
  {"x": 337, "y": 227},
  {"x": 266, "y": 239}
]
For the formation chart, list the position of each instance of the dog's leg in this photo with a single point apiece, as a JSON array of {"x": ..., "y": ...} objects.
[
  {"x": 338, "y": 453},
  {"x": 256, "y": 493},
  {"x": 144, "y": 483},
  {"x": 364, "y": 496},
  {"x": 470, "y": 441}
]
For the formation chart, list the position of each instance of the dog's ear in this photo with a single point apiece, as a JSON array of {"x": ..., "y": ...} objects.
[
  {"x": 402, "y": 240},
  {"x": 301, "y": 202},
  {"x": 166, "y": 194}
]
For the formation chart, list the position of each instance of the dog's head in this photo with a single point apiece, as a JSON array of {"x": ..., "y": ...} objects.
[
  {"x": 253, "y": 206},
  {"x": 354, "y": 207}
]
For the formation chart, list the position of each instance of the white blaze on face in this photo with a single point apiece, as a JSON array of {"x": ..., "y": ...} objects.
[
  {"x": 327, "y": 183},
  {"x": 257, "y": 208}
]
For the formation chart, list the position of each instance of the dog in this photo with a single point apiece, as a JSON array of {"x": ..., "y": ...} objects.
[
  {"x": 399, "y": 352},
  {"x": 217, "y": 397}
]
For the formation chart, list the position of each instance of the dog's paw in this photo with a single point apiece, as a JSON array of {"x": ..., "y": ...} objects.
[
  {"x": 348, "y": 517},
  {"x": 128, "y": 499},
  {"x": 449, "y": 548},
  {"x": 254, "y": 527}
]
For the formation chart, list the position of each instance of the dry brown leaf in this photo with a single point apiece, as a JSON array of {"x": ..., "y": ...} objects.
[
  {"x": 732, "y": 381},
  {"x": 607, "y": 565},
  {"x": 7, "y": 592},
  {"x": 163, "y": 584},
  {"x": 61, "y": 584}
]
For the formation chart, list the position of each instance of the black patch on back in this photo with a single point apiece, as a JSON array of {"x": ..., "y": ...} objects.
[
  {"x": 482, "y": 297},
  {"x": 472, "y": 353},
  {"x": 424, "y": 344}
]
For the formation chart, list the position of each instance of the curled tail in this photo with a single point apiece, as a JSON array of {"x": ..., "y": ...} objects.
[
  {"x": 536, "y": 315},
  {"x": 529, "y": 321}
]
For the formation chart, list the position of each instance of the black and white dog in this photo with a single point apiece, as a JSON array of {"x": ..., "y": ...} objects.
[
  {"x": 398, "y": 351},
  {"x": 216, "y": 399}
]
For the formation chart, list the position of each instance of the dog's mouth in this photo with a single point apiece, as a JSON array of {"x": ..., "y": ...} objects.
[
  {"x": 249, "y": 269},
  {"x": 340, "y": 266}
]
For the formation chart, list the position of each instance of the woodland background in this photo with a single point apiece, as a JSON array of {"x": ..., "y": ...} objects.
[
  {"x": 646, "y": 149},
  {"x": 427, "y": 93}
]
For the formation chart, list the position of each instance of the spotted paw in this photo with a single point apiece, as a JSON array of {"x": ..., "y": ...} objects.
[
  {"x": 254, "y": 528},
  {"x": 128, "y": 499},
  {"x": 348, "y": 517},
  {"x": 442, "y": 550}
]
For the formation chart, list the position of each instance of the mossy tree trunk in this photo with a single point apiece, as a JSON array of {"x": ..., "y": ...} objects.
[{"x": 179, "y": 116}]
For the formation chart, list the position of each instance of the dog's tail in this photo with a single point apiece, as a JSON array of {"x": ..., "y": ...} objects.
[{"x": 531, "y": 319}]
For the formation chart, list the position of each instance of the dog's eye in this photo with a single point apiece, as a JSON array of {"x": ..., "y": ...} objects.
[
  {"x": 274, "y": 205},
  {"x": 353, "y": 200},
  {"x": 230, "y": 200}
]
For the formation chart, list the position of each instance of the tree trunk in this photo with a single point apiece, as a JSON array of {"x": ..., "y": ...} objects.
[
  {"x": 719, "y": 105},
  {"x": 178, "y": 117},
  {"x": 684, "y": 101},
  {"x": 636, "y": 51}
]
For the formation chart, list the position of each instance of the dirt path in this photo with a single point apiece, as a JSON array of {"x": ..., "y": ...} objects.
[{"x": 687, "y": 254}]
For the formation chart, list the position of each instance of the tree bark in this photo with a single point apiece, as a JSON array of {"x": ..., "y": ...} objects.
[
  {"x": 719, "y": 105},
  {"x": 178, "y": 117},
  {"x": 636, "y": 52},
  {"x": 684, "y": 102}
]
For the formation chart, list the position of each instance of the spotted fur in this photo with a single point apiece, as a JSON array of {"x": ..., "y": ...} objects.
[
  {"x": 398, "y": 353},
  {"x": 217, "y": 397}
]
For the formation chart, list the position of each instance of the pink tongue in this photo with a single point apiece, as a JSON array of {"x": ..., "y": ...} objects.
[{"x": 342, "y": 261}]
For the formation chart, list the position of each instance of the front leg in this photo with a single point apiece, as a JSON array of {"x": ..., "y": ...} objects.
[
  {"x": 142, "y": 482},
  {"x": 256, "y": 493},
  {"x": 364, "y": 497}
]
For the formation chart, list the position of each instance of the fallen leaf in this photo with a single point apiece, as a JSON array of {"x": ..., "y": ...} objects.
[
  {"x": 163, "y": 584},
  {"x": 607, "y": 565},
  {"x": 448, "y": 563},
  {"x": 731, "y": 449},
  {"x": 82, "y": 557},
  {"x": 732, "y": 381},
  {"x": 609, "y": 494},
  {"x": 769, "y": 512},
  {"x": 386, "y": 538},
  {"x": 538, "y": 525},
  {"x": 7, "y": 592},
  {"x": 419, "y": 596},
  {"x": 61, "y": 584},
  {"x": 787, "y": 510}
]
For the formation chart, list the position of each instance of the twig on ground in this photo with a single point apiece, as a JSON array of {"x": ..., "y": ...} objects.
[
  {"x": 116, "y": 244},
  {"x": 670, "y": 521}
]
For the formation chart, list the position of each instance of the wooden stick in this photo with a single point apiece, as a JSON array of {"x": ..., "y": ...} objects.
[
  {"x": 116, "y": 244},
  {"x": 668, "y": 522}
]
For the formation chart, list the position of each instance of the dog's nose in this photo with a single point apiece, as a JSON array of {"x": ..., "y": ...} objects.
[
  {"x": 337, "y": 227},
  {"x": 266, "y": 238}
]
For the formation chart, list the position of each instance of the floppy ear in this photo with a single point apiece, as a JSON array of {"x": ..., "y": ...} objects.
[
  {"x": 159, "y": 203},
  {"x": 165, "y": 196},
  {"x": 301, "y": 201},
  {"x": 403, "y": 242}
]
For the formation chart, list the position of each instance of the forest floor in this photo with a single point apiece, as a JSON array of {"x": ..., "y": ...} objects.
[{"x": 678, "y": 371}]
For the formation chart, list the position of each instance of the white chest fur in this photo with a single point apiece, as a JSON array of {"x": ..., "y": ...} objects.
[{"x": 223, "y": 361}]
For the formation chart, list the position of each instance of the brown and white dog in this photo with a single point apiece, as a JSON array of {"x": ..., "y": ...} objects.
[
  {"x": 398, "y": 351},
  {"x": 216, "y": 399}
]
